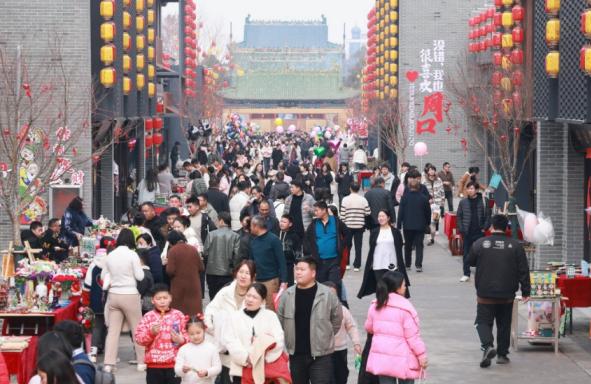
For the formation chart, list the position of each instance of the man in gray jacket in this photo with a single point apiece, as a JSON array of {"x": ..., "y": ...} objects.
[
  {"x": 221, "y": 254},
  {"x": 310, "y": 315}
]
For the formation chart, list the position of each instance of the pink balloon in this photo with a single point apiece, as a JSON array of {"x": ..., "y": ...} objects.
[
  {"x": 420, "y": 149},
  {"x": 279, "y": 129},
  {"x": 291, "y": 129}
]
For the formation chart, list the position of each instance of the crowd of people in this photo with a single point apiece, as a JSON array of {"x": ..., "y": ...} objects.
[{"x": 266, "y": 227}]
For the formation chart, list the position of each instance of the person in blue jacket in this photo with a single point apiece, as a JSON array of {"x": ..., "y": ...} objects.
[{"x": 74, "y": 222}]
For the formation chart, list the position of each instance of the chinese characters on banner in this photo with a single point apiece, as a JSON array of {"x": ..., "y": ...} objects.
[
  {"x": 431, "y": 84},
  {"x": 412, "y": 77}
]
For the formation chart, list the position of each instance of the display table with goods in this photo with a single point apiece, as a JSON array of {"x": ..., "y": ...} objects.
[
  {"x": 39, "y": 295},
  {"x": 544, "y": 312},
  {"x": 576, "y": 293},
  {"x": 20, "y": 356}
]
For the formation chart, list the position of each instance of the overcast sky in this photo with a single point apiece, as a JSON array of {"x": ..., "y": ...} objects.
[{"x": 217, "y": 14}]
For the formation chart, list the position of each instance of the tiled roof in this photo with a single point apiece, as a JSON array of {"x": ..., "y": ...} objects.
[
  {"x": 286, "y": 35},
  {"x": 289, "y": 86}
]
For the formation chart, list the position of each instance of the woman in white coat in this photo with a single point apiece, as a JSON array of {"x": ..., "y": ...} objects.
[
  {"x": 247, "y": 327},
  {"x": 227, "y": 301}
]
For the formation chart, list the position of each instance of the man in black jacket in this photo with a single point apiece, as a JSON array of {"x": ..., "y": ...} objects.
[
  {"x": 379, "y": 199},
  {"x": 292, "y": 245},
  {"x": 501, "y": 268},
  {"x": 414, "y": 215},
  {"x": 218, "y": 199},
  {"x": 473, "y": 219}
]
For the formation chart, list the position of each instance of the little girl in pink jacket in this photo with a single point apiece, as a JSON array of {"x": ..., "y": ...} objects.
[{"x": 397, "y": 350}]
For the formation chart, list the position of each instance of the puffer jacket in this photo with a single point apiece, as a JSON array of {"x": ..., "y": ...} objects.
[
  {"x": 221, "y": 252},
  {"x": 325, "y": 321},
  {"x": 396, "y": 345},
  {"x": 238, "y": 334},
  {"x": 160, "y": 350},
  {"x": 217, "y": 313},
  {"x": 436, "y": 191},
  {"x": 464, "y": 214}
]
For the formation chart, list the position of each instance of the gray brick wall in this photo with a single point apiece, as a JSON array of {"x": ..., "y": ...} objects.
[
  {"x": 421, "y": 22},
  {"x": 560, "y": 195},
  {"x": 33, "y": 24}
]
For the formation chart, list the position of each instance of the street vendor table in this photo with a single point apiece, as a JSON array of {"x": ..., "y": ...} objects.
[
  {"x": 22, "y": 363},
  {"x": 554, "y": 339},
  {"x": 577, "y": 290},
  {"x": 24, "y": 323}
]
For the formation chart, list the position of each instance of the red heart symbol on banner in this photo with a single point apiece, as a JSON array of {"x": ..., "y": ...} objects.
[{"x": 412, "y": 76}]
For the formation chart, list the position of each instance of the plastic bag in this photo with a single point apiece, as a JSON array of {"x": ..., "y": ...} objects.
[
  {"x": 544, "y": 231},
  {"x": 528, "y": 222}
]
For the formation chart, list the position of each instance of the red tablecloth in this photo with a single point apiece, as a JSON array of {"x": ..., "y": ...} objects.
[
  {"x": 45, "y": 320},
  {"x": 577, "y": 289},
  {"x": 22, "y": 364}
]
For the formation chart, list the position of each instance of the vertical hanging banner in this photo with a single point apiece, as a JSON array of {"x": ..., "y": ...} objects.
[
  {"x": 412, "y": 77},
  {"x": 431, "y": 84}
]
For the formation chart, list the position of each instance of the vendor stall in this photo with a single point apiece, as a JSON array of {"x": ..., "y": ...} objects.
[{"x": 20, "y": 355}]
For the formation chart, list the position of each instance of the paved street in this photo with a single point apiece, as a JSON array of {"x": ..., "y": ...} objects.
[{"x": 447, "y": 310}]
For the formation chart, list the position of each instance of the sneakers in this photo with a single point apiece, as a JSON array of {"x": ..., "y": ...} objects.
[
  {"x": 503, "y": 360},
  {"x": 143, "y": 367},
  {"x": 132, "y": 362},
  {"x": 348, "y": 267},
  {"x": 108, "y": 368},
  {"x": 419, "y": 269},
  {"x": 487, "y": 356},
  {"x": 464, "y": 279},
  {"x": 355, "y": 269},
  {"x": 431, "y": 242}
]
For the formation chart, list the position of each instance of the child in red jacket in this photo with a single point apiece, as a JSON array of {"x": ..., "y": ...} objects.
[{"x": 162, "y": 331}]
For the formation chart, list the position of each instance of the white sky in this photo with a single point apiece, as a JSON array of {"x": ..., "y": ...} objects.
[{"x": 216, "y": 15}]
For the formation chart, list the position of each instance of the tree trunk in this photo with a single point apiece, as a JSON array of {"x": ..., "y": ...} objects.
[
  {"x": 16, "y": 231},
  {"x": 512, "y": 210}
]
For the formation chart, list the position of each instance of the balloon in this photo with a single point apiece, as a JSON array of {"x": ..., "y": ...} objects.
[
  {"x": 319, "y": 151},
  {"x": 327, "y": 135},
  {"x": 313, "y": 134},
  {"x": 279, "y": 129},
  {"x": 544, "y": 232},
  {"x": 337, "y": 127},
  {"x": 278, "y": 122},
  {"x": 420, "y": 149},
  {"x": 291, "y": 129}
]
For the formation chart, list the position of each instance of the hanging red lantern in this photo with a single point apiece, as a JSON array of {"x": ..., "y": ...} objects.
[
  {"x": 517, "y": 56},
  {"x": 160, "y": 106},
  {"x": 518, "y": 13},
  {"x": 517, "y": 78},
  {"x": 158, "y": 139},
  {"x": 497, "y": 58},
  {"x": 158, "y": 123},
  {"x": 496, "y": 78},
  {"x": 490, "y": 12},
  {"x": 490, "y": 28},
  {"x": 498, "y": 3},
  {"x": 496, "y": 39},
  {"x": 149, "y": 141},
  {"x": 148, "y": 124},
  {"x": 517, "y": 35},
  {"x": 498, "y": 19}
]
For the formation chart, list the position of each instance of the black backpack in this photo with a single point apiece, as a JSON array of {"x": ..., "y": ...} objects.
[{"x": 100, "y": 375}]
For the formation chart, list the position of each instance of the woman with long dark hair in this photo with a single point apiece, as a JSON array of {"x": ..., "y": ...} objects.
[
  {"x": 148, "y": 187},
  {"x": 322, "y": 183},
  {"x": 74, "y": 222},
  {"x": 397, "y": 353},
  {"x": 385, "y": 253},
  {"x": 56, "y": 368}
]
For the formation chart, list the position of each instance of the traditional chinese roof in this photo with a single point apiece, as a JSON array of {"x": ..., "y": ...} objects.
[
  {"x": 294, "y": 86},
  {"x": 286, "y": 34}
]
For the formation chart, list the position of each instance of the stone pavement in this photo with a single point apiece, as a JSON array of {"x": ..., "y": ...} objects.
[{"x": 447, "y": 310}]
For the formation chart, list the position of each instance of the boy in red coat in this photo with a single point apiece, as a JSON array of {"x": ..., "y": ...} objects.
[{"x": 162, "y": 331}]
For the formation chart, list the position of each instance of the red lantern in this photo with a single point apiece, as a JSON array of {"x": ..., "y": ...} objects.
[
  {"x": 490, "y": 28},
  {"x": 497, "y": 39},
  {"x": 158, "y": 123},
  {"x": 497, "y": 58},
  {"x": 496, "y": 78},
  {"x": 148, "y": 124},
  {"x": 482, "y": 46},
  {"x": 517, "y": 56},
  {"x": 187, "y": 30},
  {"x": 482, "y": 31},
  {"x": 518, "y": 13},
  {"x": 160, "y": 106},
  {"x": 131, "y": 144},
  {"x": 149, "y": 141},
  {"x": 498, "y": 3},
  {"x": 158, "y": 139},
  {"x": 490, "y": 13},
  {"x": 517, "y": 35},
  {"x": 498, "y": 19},
  {"x": 517, "y": 78}
]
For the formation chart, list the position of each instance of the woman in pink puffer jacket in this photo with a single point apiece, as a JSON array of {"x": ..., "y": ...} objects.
[{"x": 397, "y": 350}]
